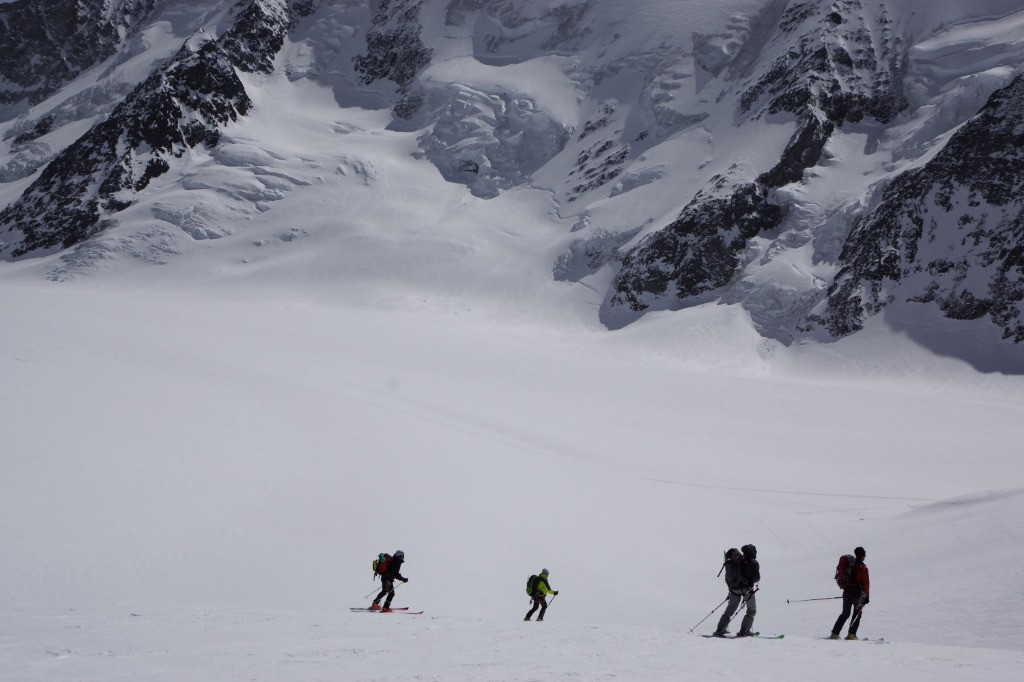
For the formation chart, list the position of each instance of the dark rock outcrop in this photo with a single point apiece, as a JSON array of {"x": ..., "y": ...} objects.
[
  {"x": 181, "y": 106},
  {"x": 395, "y": 52},
  {"x": 950, "y": 233},
  {"x": 831, "y": 73},
  {"x": 257, "y": 35},
  {"x": 822, "y": 84},
  {"x": 700, "y": 250},
  {"x": 44, "y": 44}
]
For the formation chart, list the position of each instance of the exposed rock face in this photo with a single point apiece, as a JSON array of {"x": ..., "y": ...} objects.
[
  {"x": 62, "y": 38},
  {"x": 832, "y": 72},
  {"x": 395, "y": 52},
  {"x": 257, "y": 35},
  {"x": 950, "y": 233},
  {"x": 177, "y": 108},
  {"x": 815, "y": 78},
  {"x": 700, "y": 250},
  {"x": 835, "y": 64}
]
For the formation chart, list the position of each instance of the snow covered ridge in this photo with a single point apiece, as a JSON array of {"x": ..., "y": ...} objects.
[
  {"x": 177, "y": 108},
  {"x": 743, "y": 151}
]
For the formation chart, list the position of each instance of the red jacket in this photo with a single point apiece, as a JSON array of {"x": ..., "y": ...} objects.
[{"x": 860, "y": 577}]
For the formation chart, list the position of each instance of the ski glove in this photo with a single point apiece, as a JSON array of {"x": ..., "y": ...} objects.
[
  {"x": 405, "y": 580},
  {"x": 864, "y": 599},
  {"x": 556, "y": 593}
]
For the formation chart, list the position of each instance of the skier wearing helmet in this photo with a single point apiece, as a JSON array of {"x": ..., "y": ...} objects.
[
  {"x": 742, "y": 573},
  {"x": 539, "y": 593},
  {"x": 392, "y": 572}
]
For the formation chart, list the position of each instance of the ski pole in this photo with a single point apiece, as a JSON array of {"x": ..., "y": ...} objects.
[
  {"x": 743, "y": 605},
  {"x": 794, "y": 601},
  {"x": 375, "y": 591},
  {"x": 709, "y": 615}
]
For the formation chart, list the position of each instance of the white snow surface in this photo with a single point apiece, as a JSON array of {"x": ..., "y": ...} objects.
[
  {"x": 196, "y": 477},
  {"x": 305, "y": 347}
]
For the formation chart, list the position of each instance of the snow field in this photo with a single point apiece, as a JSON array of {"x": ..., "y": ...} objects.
[
  {"x": 227, "y": 467},
  {"x": 305, "y": 347}
]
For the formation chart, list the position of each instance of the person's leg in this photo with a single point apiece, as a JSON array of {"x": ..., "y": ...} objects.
[
  {"x": 748, "y": 619},
  {"x": 723, "y": 622},
  {"x": 384, "y": 587},
  {"x": 841, "y": 621},
  {"x": 543, "y": 607},
  {"x": 858, "y": 611},
  {"x": 536, "y": 605},
  {"x": 391, "y": 594}
]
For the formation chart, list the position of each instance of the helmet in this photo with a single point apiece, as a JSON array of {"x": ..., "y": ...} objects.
[
  {"x": 544, "y": 572},
  {"x": 399, "y": 554},
  {"x": 750, "y": 551}
]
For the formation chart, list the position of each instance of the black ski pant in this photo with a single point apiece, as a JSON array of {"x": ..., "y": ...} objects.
[
  {"x": 539, "y": 602},
  {"x": 851, "y": 604},
  {"x": 387, "y": 587},
  {"x": 734, "y": 604}
]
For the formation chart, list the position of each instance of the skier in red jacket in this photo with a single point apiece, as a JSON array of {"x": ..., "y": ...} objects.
[{"x": 855, "y": 597}]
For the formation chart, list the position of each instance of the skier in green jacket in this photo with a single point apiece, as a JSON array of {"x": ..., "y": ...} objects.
[{"x": 539, "y": 592}]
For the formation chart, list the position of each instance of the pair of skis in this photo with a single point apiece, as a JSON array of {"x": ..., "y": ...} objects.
[
  {"x": 752, "y": 634},
  {"x": 401, "y": 610}
]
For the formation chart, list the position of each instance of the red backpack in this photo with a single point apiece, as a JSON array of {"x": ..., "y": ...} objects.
[
  {"x": 844, "y": 571},
  {"x": 380, "y": 564}
]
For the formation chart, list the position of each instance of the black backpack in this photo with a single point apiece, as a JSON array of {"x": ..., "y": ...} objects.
[
  {"x": 531, "y": 585},
  {"x": 729, "y": 553}
]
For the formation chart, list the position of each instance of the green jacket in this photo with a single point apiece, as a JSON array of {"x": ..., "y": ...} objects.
[{"x": 542, "y": 587}]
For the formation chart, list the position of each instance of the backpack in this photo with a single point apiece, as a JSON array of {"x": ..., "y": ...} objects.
[
  {"x": 531, "y": 585},
  {"x": 728, "y": 557},
  {"x": 844, "y": 571},
  {"x": 380, "y": 564}
]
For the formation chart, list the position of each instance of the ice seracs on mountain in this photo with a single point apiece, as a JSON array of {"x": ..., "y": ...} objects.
[{"x": 812, "y": 161}]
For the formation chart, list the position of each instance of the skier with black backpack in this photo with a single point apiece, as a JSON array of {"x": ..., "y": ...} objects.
[
  {"x": 742, "y": 573},
  {"x": 852, "y": 577},
  {"x": 538, "y": 588},
  {"x": 389, "y": 568}
]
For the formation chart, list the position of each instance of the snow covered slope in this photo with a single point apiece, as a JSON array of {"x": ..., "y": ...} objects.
[
  {"x": 688, "y": 151},
  {"x": 509, "y": 285},
  {"x": 195, "y": 486}
]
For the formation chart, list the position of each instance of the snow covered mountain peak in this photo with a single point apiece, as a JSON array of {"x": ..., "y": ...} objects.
[{"x": 747, "y": 152}]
